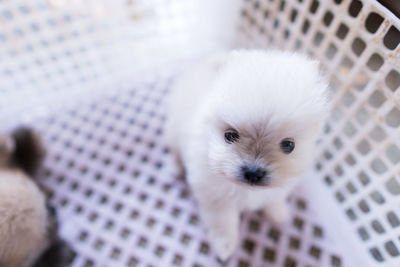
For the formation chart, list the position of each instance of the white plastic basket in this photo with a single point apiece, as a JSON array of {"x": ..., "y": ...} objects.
[{"x": 93, "y": 76}]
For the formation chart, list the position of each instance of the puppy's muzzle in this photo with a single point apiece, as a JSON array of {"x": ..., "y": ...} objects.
[{"x": 254, "y": 175}]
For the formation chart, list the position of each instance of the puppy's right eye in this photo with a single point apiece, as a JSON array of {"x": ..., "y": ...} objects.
[{"x": 231, "y": 136}]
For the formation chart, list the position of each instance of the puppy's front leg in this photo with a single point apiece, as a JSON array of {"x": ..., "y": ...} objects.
[{"x": 222, "y": 222}]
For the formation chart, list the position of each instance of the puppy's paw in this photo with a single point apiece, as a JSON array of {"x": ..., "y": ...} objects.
[
  {"x": 223, "y": 245},
  {"x": 278, "y": 213}
]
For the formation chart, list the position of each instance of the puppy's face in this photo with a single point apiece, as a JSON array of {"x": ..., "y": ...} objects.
[
  {"x": 262, "y": 121},
  {"x": 262, "y": 153}
]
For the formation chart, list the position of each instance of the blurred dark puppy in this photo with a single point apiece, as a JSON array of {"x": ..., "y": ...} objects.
[{"x": 28, "y": 226}]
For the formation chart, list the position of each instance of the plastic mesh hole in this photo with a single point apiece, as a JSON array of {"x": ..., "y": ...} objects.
[
  {"x": 393, "y": 118},
  {"x": 393, "y": 219},
  {"x": 298, "y": 223},
  {"x": 358, "y": 46},
  {"x": 339, "y": 197},
  {"x": 99, "y": 244},
  {"x": 350, "y": 186},
  {"x": 269, "y": 255},
  {"x": 377, "y": 197},
  {"x": 318, "y": 232},
  {"x": 376, "y": 99},
  {"x": 294, "y": 243},
  {"x": 331, "y": 51},
  {"x": 254, "y": 226},
  {"x": 377, "y": 134},
  {"x": 376, "y": 254},
  {"x": 342, "y": 31},
  {"x": 364, "y": 179},
  {"x": 274, "y": 234},
  {"x": 364, "y": 206},
  {"x": 328, "y": 17},
  {"x": 392, "y": 38},
  {"x": 351, "y": 214},
  {"x": 345, "y": 66},
  {"x": 306, "y": 26},
  {"x": 249, "y": 246},
  {"x": 392, "y": 80},
  {"x": 348, "y": 99},
  {"x": 393, "y": 186},
  {"x": 293, "y": 15},
  {"x": 362, "y": 116},
  {"x": 314, "y": 6},
  {"x": 115, "y": 254},
  {"x": 88, "y": 263},
  {"x": 355, "y": 8},
  {"x": 125, "y": 233},
  {"x": 178, "y": 259},
  {"x": 349, "y": 129},
  {"x": 364, "y": 147},
  {"x": 282, "y": 5},
  {"x": 243, "y": 263},
  {"x": 373, "y": 22},
  {"x": 391, "y": 249},
  {"x": 133, "y": 262},
  {"x": 336, "y": 261},
  {"x": 204, "y": 248},
  {"x": 290, "y": 262},
  {"x": 315, "y": 252},
  {"x": 159, "y": 251},
  {"x": 318, "y": 37},
  {"x": 393, "y": 153},
  {"x": 363, "y": 233},
  {"x": 375, "y": 62},
  {"x": 378, "y": 166},
  {"x": 185, "y": 239},
  {"x": 337, "y": 142},
  {"x": 377, "y": 226}
]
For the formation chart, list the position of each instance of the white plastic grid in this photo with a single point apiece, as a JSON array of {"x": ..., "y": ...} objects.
[
  {"x": 54, "y": 52},
  {"x": 121, "y": 205},
  {"x": 357, "y": 43},
  {"x": 108, "y": 165}
]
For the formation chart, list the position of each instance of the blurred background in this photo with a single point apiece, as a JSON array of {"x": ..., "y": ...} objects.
[
  {"x": 58, "y": 49},
  {"x": 93, "y": 78}
]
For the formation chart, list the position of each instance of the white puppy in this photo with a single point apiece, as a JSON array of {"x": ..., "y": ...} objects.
[{"x": 243, "y": 125}]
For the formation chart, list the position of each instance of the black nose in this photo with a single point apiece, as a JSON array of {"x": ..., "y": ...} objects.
[{"x": 253, "y": 175}]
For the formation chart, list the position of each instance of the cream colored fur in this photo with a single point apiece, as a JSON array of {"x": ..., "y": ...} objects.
[{"x": 23, "y": 219}]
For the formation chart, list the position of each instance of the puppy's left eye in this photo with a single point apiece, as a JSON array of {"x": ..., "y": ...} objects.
[
  {"x": 231, "y": 136},
  {"x": 287, "y": 145}
]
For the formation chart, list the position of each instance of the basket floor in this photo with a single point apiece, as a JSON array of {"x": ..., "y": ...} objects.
[{"x": 119, "y": 203}]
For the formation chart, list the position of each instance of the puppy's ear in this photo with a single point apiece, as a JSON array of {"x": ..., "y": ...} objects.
[{"x": 28, "y": 151}]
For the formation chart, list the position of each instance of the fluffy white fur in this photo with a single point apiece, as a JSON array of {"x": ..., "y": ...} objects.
[{"x": 265, "y": 97}]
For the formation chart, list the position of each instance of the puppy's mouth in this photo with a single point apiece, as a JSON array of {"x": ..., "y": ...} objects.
[{"x": 254, "y": 184}]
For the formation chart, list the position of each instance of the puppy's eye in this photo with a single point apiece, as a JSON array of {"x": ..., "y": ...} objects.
[
  {"x": 231, "y": 136},
  {"x": 287, "y": 145}
]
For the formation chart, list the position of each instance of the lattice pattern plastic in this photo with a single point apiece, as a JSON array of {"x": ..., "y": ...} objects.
[
  {"x": 54, "y": 52},
  {"x": 121, "y": 205},
  {"x": 357, "y": 43},
  {"x": 79, "y": 71}
]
